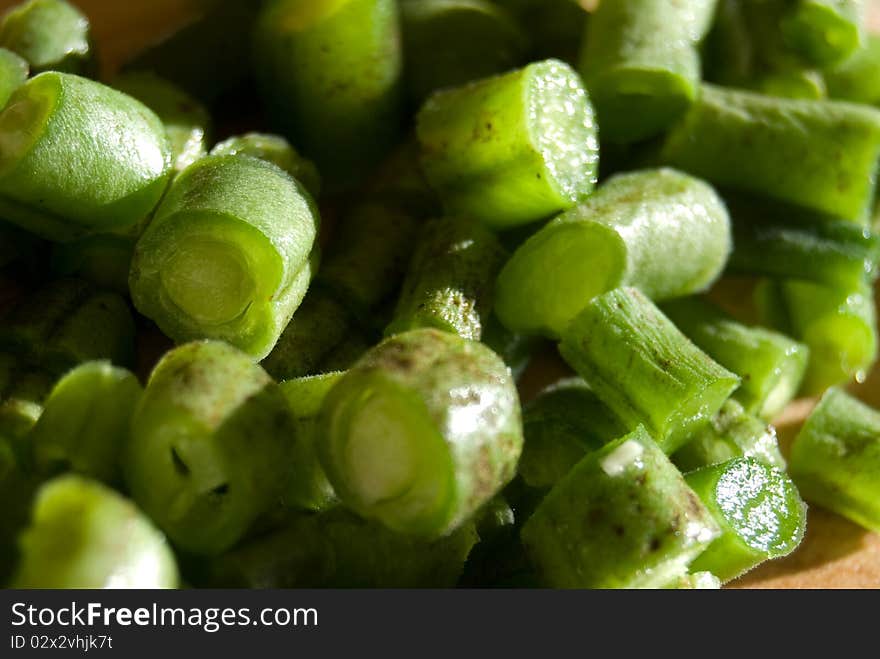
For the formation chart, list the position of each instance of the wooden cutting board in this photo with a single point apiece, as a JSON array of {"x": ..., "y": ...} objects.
[{"x": 834, "y": 554}]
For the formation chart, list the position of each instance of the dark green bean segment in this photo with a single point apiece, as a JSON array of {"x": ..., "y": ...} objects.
[
  {"x": 211, "y": 446},
  {"x": 641, "y": 64},
  {"x": 277, "y": 150},
  {"x": 820, "y": 155},
  {"x": 50, "y": 35},
  {"x": 622, "y": 518},
  {"x": 770, "y": 364},
  {"x": 422, "y": 432},
  {"x": 759, "y": 510},
  {"x": 835, "y": 460},
  {"x": 838, "y": 325},
  {"x": 120, "y": 148},
  {"x": 512, "y": 149},
  {"x": 13, "y": 74},
  {"x": 309, "y": 488},
  {"x": 564, "y": 423},
  {"x": 659, "y": 230},
  {"x": 555, "y": 28},
  {"x": 450, "y": 42},
  {"x": 786, "y": 242},
  {"x": 340, "y": 550},
  {"x": 84, "y": 535},
  {"x": 331, "y": 72},
  {"x": 16, "y": 245},
  {"x": 67, "y": 323},
  {"x": 857, "y": 78},
  {"x": 85, "y": 424},
  {"x": 824, "y": 31},
  {"x": 451, "y": 279},
  {"x": 103, "y": 259},
  {"x": 228, "y": 254},
  {"x": 733, "y": 433},
  {"x": 666, "y": 384},
  {"x": 17, "y": 487},
  {"x": 515, "y": 349},
  {"x": 346, "y": 354},
  {"x": 187, "y": 122}
]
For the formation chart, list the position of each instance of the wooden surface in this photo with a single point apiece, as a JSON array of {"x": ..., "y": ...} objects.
[{"x": 834, "y": 554}]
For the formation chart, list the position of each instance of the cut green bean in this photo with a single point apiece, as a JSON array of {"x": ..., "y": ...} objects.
[
  {"x": 447, "y": 43},
  {"x": 120, "y": 148},
  {"x": 821, "y": 155},
  {"x": 857, "y": 78},
  {"x": 666, "y": 383},
  {"x": 786, "y": 242},
  {"x": 85, "y": 423},
  {"x": 340, "y": 550},
  {"x": 331, "y": 72},
  {"x": 697, "y": 581},
  {"x": 103, "y": 259},
  {"x": 837, "y": 324},
  {"x": 806, "y": 84},
  {"x": 515, "y": 349},
  {"x": 824, "y": 31},
  {"x": 512, "y": 149},
  {"x": 277, "y": 150},
  {"x": 562, "y": 425},
  {"x": 210, "y": 448},
  {"x": 641, "y": 64},
  {"x": 759, "y": 510},
  {"x": 835, "y": 460},
  {"x": 228, "y": 254},
  {"x": 771, "y": 365},
  {"x": 84, "y": 535},
  {"x": 733, "y": 433},
  {"x": 309, "y": 488},
  {"x": 451, "y": 279},
  {"x": 187, "y": 122},
  {"x": 13, "y": 74},
  {"x": 400, "y": 182},
  {"x": 50, "y": 35},
  {"x": 622, "y": 518},
  {"x": 422, "y": 432},
  {"x": 660, "y": 230},
  {"x": 730, "y": 50}
]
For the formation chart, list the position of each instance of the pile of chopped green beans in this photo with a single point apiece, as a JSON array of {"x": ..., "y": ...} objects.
[{"x": 268, "y": 294}]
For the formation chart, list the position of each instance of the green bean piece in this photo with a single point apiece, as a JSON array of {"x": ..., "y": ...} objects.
[
  {"x": 319, "y": 325},
  {"x": 346, "y": 354},
  {"x": 562, "y": 425},
  {"x": 103, "y": 259},
  {"x": 622, "y": 518},
  {"x": 836, "y": 458},
  {"x": 451, "y": 279},
  {"x": 421, "y": 432},
  {"x": 660, "y": 230},
  {"x": 228, "y": 255},
  {"x": 697, "y": 581},
  {"x": 51, "y": 35},
  {"x": 277, "y": 150},
  {"x": 187, "y": 122},
  {"x": 19, "y": 413},
  {"x": 511, "y": 149},
  {"x": 807, "y": 84},
  {"x": 17, "y": 488},
  {"x": 400, "y": 182},
  {"x": 838, "y": 325},
  {"x": 732, "y": 433},
  {"x": 786, "y": 242},
  {"x": 824, "y": 31},
  {"x": 515, "y": 349},
  {"x": 339, "y": 550},
  {"x": 222, "y": 39},
  {"x": 67, "y": 323},
  {"x": 331, "y": 73},
  {"x": 85, "y": 423},
  {"x": 667, "y": 384},
  {"x": 447, "y": 43},
  {"x": 555, "y": 28},
  {"x": 119, "y": 146},
  {"x": 771, "y": 365},
  {"x": 13, "y": 74},
  {"x": 210, "y": 448},
  {"x": 84, "y": 535},
  {"x": 857, "y": 78},
  {"x": 731, "y": 49},
  {"x": 820, "y": 155},
  {"x": 641, "y": 64},
  {"x": 309, "y": 488},
  {"x": 759, "y": 510}
]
